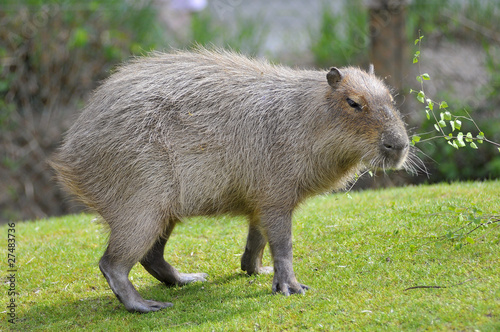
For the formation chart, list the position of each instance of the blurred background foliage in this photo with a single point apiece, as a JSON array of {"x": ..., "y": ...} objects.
[
  {"x": 54, "y": 53},
  {"x": 341, "y": 36}
]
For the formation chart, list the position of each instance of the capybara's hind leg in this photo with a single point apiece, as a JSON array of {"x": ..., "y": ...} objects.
[
  {"x": 156, "y": 265},
  {"x": 251, "y": 261},
  {"x": 116, "y": 273},
  {"x": 124, "y": 250}
]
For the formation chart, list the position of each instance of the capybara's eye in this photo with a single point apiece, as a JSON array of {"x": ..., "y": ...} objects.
[{"x": 354, "y": 104}]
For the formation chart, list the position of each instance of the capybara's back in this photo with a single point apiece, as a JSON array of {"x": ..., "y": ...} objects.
[{"x": 174, "y": 135}]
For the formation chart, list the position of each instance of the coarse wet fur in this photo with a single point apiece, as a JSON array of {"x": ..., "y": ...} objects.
[{"x": 169, "y": 136}]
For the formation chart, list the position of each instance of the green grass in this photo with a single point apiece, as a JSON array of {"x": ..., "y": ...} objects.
[{"x": 357, "y": 253}]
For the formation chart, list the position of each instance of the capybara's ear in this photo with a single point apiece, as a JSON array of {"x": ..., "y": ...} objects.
[
  {"x": 371, "y": 70},
  {"x": 334, "y": 76}
]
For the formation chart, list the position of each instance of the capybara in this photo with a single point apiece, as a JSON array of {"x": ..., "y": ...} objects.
[{"x": 207, "y": 132}]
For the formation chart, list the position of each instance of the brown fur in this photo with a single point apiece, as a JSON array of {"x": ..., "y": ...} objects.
[{"x": 170, "y": 136}]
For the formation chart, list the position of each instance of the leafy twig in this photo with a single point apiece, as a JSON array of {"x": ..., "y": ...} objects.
[
  {"x": 457, "y": 140},
  {"x": 490, "y": 220}
]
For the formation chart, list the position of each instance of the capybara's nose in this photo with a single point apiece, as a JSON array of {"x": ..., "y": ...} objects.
[
  {"x": 394, "y": 145},
  {"x": 394, "y": 140}
]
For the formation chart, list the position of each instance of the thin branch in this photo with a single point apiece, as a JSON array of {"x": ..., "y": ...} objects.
[
  {"x": 460, "y": 283},
  {"x": 356, "y": 180},
  {"x": 489, "y": 222},
  {"x": 431, "y": 109},
  {"x": 491, "y": 142},
  {"x": 491, "y": 229}
]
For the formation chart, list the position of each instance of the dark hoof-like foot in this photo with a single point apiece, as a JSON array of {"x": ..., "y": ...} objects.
[
  {"x": 290, "y": 288},
  {"x": 148, "y": 306},
  {"x": 187, "y": 278}
]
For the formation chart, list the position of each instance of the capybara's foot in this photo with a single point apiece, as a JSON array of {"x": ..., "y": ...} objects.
[
  {"x": 256, "y": 269},
  {"x": 288, "y": 288},
  {"x": 144, "y": 306},
  {"x": 187, "y": 278},
  {"x": 116, "y": 273}
]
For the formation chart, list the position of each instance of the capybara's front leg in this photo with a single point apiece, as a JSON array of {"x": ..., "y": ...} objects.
[{"x": 278, "y": 227}]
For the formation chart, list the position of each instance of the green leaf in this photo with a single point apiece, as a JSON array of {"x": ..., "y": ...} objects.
[
  {"x": 452, "y": 124},
  {"x": 415, "y": 138},
  {"x": 421, "y": 97},
  {"x": 428, "y": 115},
  {"x": 480, "y": 136},
  {"x": 458, "y": 124},
  {"x": 447, "y": 115},
  {"x": 430, "y": 104},
  {"x": 418, "y": 40},
  {"x": 442, "y": 124},
  {"x": 468, "y": 138},
  {"x": 443, "y": 104},
  {"x": 419, "y": 78},
  {"x": 415, "y": 56},
  {"x": 498, "y": 149},
  {"x": 470, "y": 240},
  {"x": 474, "y": 146},
  {"x": 437, "y": 127},
  {"x": 454, "y": 144},
  {"x": 450, "y": 136},
  {"x": 426, "y": 77}
]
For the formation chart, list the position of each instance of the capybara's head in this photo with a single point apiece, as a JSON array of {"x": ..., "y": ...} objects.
[{"x": 370, "y": 123}]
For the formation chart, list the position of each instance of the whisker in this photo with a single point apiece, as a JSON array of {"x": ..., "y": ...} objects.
[
  {"x": 364, "y": 156},
  {"x": 422, "y": 152},
  {"x": 415, "y": 165},
  {"x": 409, "y": 166}
]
